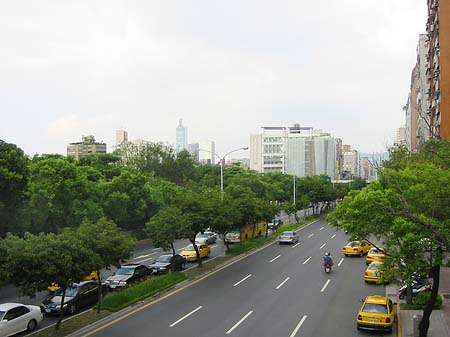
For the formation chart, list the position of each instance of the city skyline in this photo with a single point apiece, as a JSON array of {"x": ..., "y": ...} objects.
[{"x": 344, "y": 68}]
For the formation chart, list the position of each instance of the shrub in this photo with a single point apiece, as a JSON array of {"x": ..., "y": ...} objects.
[
  {"x": 420, "y": 301},
  {"x": 125, "y": 297}
]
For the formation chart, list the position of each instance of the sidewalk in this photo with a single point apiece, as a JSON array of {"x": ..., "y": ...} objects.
[{"x": 439, "y": 320}]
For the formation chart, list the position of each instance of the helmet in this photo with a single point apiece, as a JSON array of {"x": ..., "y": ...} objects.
[{"x": 327, "y": 254}]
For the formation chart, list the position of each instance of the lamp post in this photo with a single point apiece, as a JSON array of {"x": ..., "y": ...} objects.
[{"x": 222, "y": 162}]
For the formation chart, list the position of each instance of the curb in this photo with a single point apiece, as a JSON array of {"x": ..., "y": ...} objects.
[{"x": 123, "y": 313}]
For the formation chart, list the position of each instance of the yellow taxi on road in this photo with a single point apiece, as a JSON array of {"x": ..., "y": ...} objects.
[
  {"x": 55, "y": 286},
  {"x": 358, "y": 248},
  {"x": 189, "y": 253},
  {"x": 375, "y": 254},
  {"x": 373, "y": 272},
  {"x": 376, "y": 313}
]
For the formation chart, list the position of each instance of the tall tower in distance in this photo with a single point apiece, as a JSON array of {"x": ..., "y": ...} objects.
[{"x": 181, "y": 137}]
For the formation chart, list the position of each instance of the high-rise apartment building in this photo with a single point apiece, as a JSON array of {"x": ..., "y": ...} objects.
[
  {"x": 121, "y": 137},
  {"x": 438, "y": 31},
  {"x": 400, "y": 138},
  {"x": 412, "y": 112},
  {"x": 423, "y": 118},
  {"x": 181, "y": 137},
  {"x": 351, "y": 164},
  {"x": 87, "y": 146},
  {"x": 296, "y": 150}
]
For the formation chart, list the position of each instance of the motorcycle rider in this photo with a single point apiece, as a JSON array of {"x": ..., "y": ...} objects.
[{"x": 327, "y": 260}]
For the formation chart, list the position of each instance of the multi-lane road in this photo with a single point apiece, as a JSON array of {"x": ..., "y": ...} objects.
[{"x": 277, "y": 291}]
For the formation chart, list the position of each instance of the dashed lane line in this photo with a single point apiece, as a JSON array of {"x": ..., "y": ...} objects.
[
  {"x": 306, "y": 261},
  {"x": 310, "y": 235},
  {"x": 276, "y": 257},
  {"x": 323, "y": 245},
  {"x": 239, "y": 282},
  {"x": 185, "y": 316},
  {"x": 296, "y": 245},
  {"x": 298, "y": 326},
  {"x": 340, "y": 262},
  {"x": 239, "y": 322},
  {"x": 325, "y": 285},
  {"x": 333, "y": 236},
  {"x": 281, "y": 284}
]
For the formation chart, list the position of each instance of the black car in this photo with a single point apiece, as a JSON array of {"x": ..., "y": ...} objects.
[
  {"x": 128, "y": 274},
  {"x": 77, "y": 296},
  {"x": 168, "y": 262}
]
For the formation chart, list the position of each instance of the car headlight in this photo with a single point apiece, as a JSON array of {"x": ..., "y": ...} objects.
[
  {"x": 123, "y": 283},
  {"x": 58, "y": 307}
]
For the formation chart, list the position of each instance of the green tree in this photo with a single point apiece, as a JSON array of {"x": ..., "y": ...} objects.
[
  {"x": 36, "y": 261},
  {"x": 13, "y": 183},
  {"x": 407, "y": 208},
  {"x": 166, "y": 226},
  {"x": 108, "y": 242}
]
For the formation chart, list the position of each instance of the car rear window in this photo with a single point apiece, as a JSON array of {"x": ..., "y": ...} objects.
[
  {"x": 375, "y": 308},
  {"x": 163, "y": 258}
]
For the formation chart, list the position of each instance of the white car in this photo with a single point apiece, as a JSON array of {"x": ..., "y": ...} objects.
[{"x": 16, "y": 317}]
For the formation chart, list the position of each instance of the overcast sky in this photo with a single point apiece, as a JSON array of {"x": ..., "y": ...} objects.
[{"x": 73, "y": 68}]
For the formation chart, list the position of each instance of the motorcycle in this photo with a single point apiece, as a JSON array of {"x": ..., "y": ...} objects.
[
  {"x": 419, "y": 284},
  {"x": 327, "y": 267}
]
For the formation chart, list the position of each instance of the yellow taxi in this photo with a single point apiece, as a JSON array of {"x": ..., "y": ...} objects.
[
  {"x": 376, "y": 313},
  {"x": 373, "y": 272},
  {"x": 375, "y": 254},
  {"x": 358, "y": 248},
  {"x": 190, "y": 255},
  {"x": 55, "y": 286}
]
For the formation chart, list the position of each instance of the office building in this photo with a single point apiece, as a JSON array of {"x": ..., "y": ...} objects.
[
  {"x": 121, "y": 137},
  {"x": 206, "y": 152},
  {"x": 86, "y": 147},
  {"x": 181, "y": 137},
  {"x": 297, "y": 150}
]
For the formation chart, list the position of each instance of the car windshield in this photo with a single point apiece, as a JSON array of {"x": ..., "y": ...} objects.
[
  {"x": 199, "y": 236},
  {"x": 287, "y": 234},
  {"x": 189, "y": 248},
  {"x": 125, "y": 271},
  {"x": 163, "y": 258},
  {"x": 376, "y": 308},
  {"x": 2, "y": 313},
  {"x": 374, "y": 266},
  {"x": 353, "y": 244},
  {"x": 70, "y": 292},
  {"x": 376, "y": 251}
]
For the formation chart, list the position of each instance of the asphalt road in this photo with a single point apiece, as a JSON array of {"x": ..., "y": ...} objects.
[{"x": 278, "y": 291}]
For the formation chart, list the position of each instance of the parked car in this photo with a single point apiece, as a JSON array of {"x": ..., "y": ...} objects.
[
  {"x": 375, "y": 254},
  {"x": 288, "y": 237},
  {"x": 373, "y": 272},
  {"x": 168, "y": 262},
  {"x": 128, "y": 274},
  {"x": 274, "y": 224},
  {"x": 92, "y": 276},
  {"x": 376, "y": 313},
  {"x": 233, "y": 237},
  {"x": 17, "y": 317},
  {"x": 77, "y": 296},
  {"x": 358, "y": 248},
  {"x": 206, "y": 238},
  {"x": 190, "y": 255},
  {"x": 212, "y": 235}
]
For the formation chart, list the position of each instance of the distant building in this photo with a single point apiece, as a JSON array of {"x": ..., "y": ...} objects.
[
  {"x": 351, "y": 164},
  {"x": 301, "y": 151},
  {"x": 206, "y": 152},
  {"x": 244, "y": 162},
  {"x": 438, "y": 32},
  {"x": 86, "y": 147},
  {"x": 339, "y": 159},
  {"x": 423, "y": 118},
  {"x": 368, "y": 170},
  {"x": 401, "y": 136},
  {"x": 181, "y": 137},
  {"x": 193, "y": 149},
  {"x": 121, "y": 136}
]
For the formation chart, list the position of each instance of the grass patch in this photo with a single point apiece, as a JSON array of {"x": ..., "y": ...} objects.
[
  {"x": 125, "y": 297},
  {"x": 71, "y": 325}
]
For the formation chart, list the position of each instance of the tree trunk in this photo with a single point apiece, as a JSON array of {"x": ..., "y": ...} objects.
[
  {"x": 297, "y": 220},
  {"x": 173, "y": 248},
  {"x": 61, "y": 311},
  {"x": 199, "y": 260},
  {"x": 227, "y": 245},
  {"x": 425, "y": 322},
  {"x": 100, "y": 292},
  {"x": 408, "y": 294}
]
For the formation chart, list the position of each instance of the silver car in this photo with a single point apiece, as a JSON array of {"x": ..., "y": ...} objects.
[{"x": 288, "y": 237}]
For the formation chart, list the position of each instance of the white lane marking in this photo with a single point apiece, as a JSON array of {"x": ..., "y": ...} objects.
[
  {"x": 141, "y": 256},
  {"x": 310, "y": 235},
  {"x": 276, "y": 257},
  {"x": 296, "y": 245},
  {"x": 306, "y": 261},
  {"x": 213, "y": 246},
  {"x": 150, "y": 258},
  {"x": 321, "y": 228},
  {"x": 237, "y": 283},
  {"x": 323, "y": 246},
  {"x": 281, "y": 284},
  {"x": 298, "y": 326},
  {"x": 326, "y": 284},
  {"x": 334, "y": 235},
  {"x": 185, "y": 316},
  {"x": 155, "y": 249},
  {"x": 240, "y": 321},
  {"x": 340, "y": 262}
]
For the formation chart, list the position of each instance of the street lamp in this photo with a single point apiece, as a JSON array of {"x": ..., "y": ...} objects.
[{"x": 222, "y": 161}]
